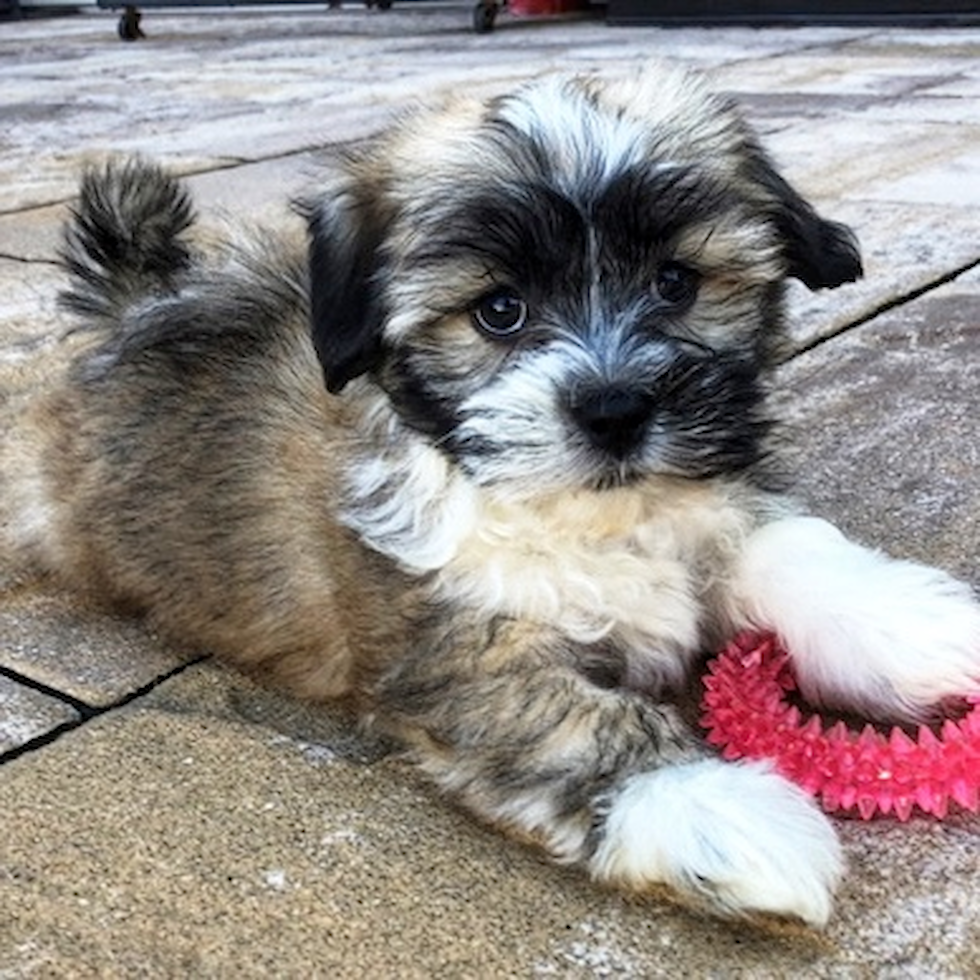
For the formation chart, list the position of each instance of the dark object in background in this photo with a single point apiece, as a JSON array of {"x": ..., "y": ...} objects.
[{"x": 909, "y": 12}]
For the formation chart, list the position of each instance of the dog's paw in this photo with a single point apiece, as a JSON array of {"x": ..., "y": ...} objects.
[
  {"x": 887, "y": 638},
  {"x": 737, "y": 839}
]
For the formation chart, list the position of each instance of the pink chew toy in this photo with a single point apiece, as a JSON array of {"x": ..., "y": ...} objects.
[{"x": 747, "y": 715}]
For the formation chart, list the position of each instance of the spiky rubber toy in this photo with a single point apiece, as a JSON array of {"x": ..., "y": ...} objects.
[{"x": 747, "y": 714}]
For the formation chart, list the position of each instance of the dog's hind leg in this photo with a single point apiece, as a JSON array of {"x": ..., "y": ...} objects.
[{"x": 606, "y": 778}]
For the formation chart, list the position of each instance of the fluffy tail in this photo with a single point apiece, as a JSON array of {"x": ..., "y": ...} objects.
[{"x": 125, "y": 237}]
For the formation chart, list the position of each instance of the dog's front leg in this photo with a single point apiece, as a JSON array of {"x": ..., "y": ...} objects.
[
  {"x": 888, "y": 638},
  {"x": 604, "y": 777}
]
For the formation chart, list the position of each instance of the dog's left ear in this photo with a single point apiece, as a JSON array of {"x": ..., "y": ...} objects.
[
  {"x": 820, "y": 253},
  {"x": 345, "y": 302}
]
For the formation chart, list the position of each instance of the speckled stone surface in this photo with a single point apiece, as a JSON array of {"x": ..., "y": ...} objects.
[
  {"x": 85, "y": 653},
  {"x": 209, "y": 828},
  {"x": 887, "y": 419},
  {"x": 212, "y": 829}
]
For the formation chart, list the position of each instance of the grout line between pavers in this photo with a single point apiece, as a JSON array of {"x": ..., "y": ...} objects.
[
  {"x": 86, "y": 712},
  {"x": 885, "y": 307},
  {"x": 82, "y": 707},
  {"x": 27, "y": 260},
  {"x": 232, "y": 164}
]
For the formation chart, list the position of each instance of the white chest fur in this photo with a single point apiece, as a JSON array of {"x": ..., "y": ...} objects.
[{"x": 633, "y": 564}]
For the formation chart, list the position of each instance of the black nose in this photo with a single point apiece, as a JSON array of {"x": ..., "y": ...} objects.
[{"x": 614, "y": 418}]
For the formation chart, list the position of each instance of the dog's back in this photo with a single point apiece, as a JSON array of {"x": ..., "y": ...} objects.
[{"x": 181, "y": 461}]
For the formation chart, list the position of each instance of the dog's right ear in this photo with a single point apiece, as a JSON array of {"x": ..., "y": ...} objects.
[
  {"x": 345, "y": 304},
  {"x": 822, "y": 254}
]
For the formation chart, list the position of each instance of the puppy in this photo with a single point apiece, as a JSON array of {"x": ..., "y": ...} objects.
[{"x": 489, "y": 456}]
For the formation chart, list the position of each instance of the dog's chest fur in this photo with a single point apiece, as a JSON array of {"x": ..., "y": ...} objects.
[
  {"x": 634, "y": 566},
  {"x": 632, "y": 569}
]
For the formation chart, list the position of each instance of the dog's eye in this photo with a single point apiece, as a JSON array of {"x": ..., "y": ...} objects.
[
  {"x": 500, "y": 313},
  {"x": 677, "y": 283}
]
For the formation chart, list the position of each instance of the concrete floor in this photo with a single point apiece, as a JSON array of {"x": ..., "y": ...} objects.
[{"x": 166, "y": 819}]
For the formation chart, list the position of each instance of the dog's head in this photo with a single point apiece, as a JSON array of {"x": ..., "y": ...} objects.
[{"x": 576, "y": 285}]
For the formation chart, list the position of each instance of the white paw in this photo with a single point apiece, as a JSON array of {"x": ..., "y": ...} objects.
[
  {"x": 888, "y": 638},
  {"x": 735, "y": 837}
]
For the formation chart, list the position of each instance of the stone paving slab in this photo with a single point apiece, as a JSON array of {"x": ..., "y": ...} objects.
[
  {"x": 247, "y": 105},
  {"x": 861, "y": 159},
  {"x": 27, "y": 714},
  {"x": 213, "y": 829},
  {"x": 30, "y": 240},
  {"x": 91, "y": 656},
  {"x": 863, "y": 67},
  {"x": 139, "y": 845},
  {"x": 261, "y": 190},
  {"x": 29, "y": 309},
  {"x": 31, "y": 236},
  {"x": 82, "y": 91},
  {"x": 887, "y": 419},
  {"x": 905, "y": 248}
]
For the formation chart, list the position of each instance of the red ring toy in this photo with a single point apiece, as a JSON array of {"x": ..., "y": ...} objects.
[{"x": 747, "y": 715}]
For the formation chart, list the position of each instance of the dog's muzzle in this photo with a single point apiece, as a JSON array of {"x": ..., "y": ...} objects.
[{"x": 614, "y": 418}]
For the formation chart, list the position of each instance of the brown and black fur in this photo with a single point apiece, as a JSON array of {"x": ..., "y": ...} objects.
[{"x": 202, "y": 457}]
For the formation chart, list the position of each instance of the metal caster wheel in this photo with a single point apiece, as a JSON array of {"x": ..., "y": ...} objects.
[
  {"x": 484, "y": 17},
  {"x": 129, "y": 25}
]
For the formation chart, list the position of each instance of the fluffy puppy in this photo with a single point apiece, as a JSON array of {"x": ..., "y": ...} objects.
[{"x": 490, "y": 456}]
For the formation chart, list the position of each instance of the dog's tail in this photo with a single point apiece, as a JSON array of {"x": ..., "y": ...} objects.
[{"x": 126, "y": 237}]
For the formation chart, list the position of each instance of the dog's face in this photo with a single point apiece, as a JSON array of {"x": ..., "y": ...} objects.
[{"x": 575, "y": 286}]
